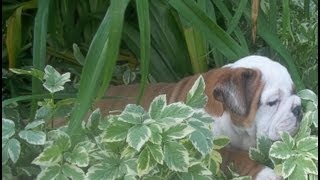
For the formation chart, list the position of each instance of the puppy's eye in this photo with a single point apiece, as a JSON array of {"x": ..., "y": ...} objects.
[{"x": 272, "y": 103}]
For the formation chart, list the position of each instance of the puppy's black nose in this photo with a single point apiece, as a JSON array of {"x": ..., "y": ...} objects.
[{"x": 297, "y": 112}]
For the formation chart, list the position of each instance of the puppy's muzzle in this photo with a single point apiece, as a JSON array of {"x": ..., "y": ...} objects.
[{"x": 297, "y": 112}]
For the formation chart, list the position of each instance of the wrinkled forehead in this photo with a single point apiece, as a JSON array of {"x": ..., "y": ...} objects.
[{"x": 274, "y": 75}]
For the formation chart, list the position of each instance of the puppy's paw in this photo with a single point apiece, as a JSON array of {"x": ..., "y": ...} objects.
[{"x": 267, "y": 174}]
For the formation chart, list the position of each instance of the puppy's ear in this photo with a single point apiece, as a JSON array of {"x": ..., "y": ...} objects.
[{"x": 239, "y": 92}]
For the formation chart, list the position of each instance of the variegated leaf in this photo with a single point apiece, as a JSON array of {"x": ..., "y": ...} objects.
[
  {"x": 33, "y": 137},
  {"x": 138, "y": 135},
  {"x": 179, "y": 131},
  {"x": 72, "y": 172},
  {"x": 156, "y": 152},
  {"x": 176, "y": 156},
  {"x": 14, "y": 149},
  {"x": 79, "y": 156},
  {"x": 288, "y": 166},
  {"x": 196, "y": 97},
  {"x": 49, "y": 156},
  {"x": 157, "y": 106}
]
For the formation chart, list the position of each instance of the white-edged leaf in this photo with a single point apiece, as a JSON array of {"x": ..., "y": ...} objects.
[
  {"x": 307, "y": 143},
  {"x": 34, "y": 124},
  {"x": 286, "y": 138},
  {"x": 199, "y": 169},
  {"x": 313, "y": 154},
  {"x": 203, "y": 116},
  {"x": 143, "y": 166},
  {"x": 7, "y": 128},
  {"x": 60, "y": 138},
  {"x": 132, "y": 114},
  {"x": 156, "y": 137},
  {"x": 104, "y": 171},
  {"x": 220, "y": 142},
  {"x": 33, "y": 72},
  {"x": 314, "y": 116},
  {"x": 196, "y": 97},
  {"x": 298, "y": 173},
  {"x": 179, "y": 131},
  {"x": 93, "y": 120},
  {"x": 280, "y": 150},
  {"x": 288, "y": 166},
  {"x": 138, "y": 135},
  {"x": 157, "y": 106},
  {"x": 307, "y": 165},
  {"x": 33, "y": 137},
  {"x": 14, "y": 149},
  {"x": 50, "y": 172},
  {"x": 45, "y": 112},
  {"x": 200, "y": 142},
  {"x": 54, "y": 81},
  {"x": 307, "y": 94},
  {"x": 49, "y": 156},
  {"x": 72, "y": 172},
  {"x": 156, "y": 152},
  {"x": 116, "y": 131},
  {"x": 79, "y": 156},
  {"x": 176, "y": 156}
]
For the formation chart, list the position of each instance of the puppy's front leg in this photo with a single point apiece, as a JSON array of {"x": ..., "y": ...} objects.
[{"x": 245, "y": 166}]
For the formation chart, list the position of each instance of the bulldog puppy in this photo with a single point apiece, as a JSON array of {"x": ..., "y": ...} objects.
[{"x": 252, "y": 97}]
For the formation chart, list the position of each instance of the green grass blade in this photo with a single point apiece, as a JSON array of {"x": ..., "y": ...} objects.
[
  {"x": 228, "y": 16},
  {"x": 235, "y": 19},
  {"x": 286, "y": 25},
  {"x": 99, "y": 64},
  {"x": 158, "y": 67},
  {"x": 145, "y": 41},
  {"x": 223, "y": 42},
  {"x": 273, "y": 16},
  {"x": 39, "y": 47}
]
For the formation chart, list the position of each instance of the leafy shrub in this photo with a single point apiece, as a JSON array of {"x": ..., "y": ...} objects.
[{"x": 170, "y": 141}]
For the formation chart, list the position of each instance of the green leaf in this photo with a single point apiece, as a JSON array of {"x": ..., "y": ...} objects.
[
  {"x": 220, "y": 141},
  {"x": 179, "y": 131},
  {"x": 145, "y": 42},
  {"x": 176, "y": 156},
  {"x": 77, "y": 54},
  {"x": 157, "y": 106},
  {"x": 288, "y": 166},
  {"x": 34, "y": 72},
  {"x": 45, "y": 112},
  {"x": 307, "y": 94},
  {"x": 14, "y": 149},
  {"x": 79, "y": 156},
  {"x": 298, "y": 173},
  {"x": 199, "y": 169},
  {"x": 33, "y": 137},
  {"x": 222, "y": 41},
  {"x": 156, "y": 152},
  {"x": 200, "y": 142},
  {"x": 116, "y": 131},
  {"x": 99, "y": 63},
  {"x": 286, "y": 138},
  {"x": 138, "y": 135},
  {"x": 280, "y": 150},
  {"x": 8, "y": 128},
  {"x": 110, "y": 169},
  {"x": 49, "y": 156},
  {"x": 307, "y": 144},
  {"x": 203, "y": 116},
  {"x": 72, "y": 172},
  {"x": 132, "y": 114},
  {"x": 196, "y": 97},
  {"x": 50, "y": 172},
  {"x": 307, "y": 165},
  {"x": 60, "y": 139},
  {"x": 314, "y": 116},
  {"x": 174, "y": 114},
  {"x": 144, "y": 162},
  {"x": 94, "y": 119},
  {"x": 34, "y": 124},
  {"x": 54, "y": 81}
]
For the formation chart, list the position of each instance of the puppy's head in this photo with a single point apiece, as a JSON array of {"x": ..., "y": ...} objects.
[{"x": 258, "y": 93}]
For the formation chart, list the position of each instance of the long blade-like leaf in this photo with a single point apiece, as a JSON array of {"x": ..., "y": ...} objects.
[
  {"x": 145, "y": 41},
  {"x": 224, "y": 43},
  {"x": 99, "y": 64},
  {"x": 39, "y": 47}
]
